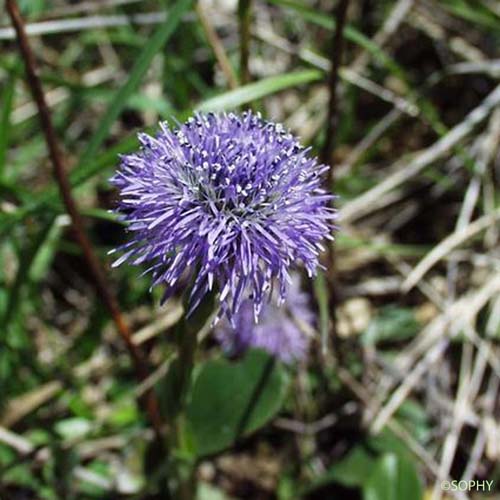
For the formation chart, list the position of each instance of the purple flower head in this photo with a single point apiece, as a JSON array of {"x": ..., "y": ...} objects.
[
  {"x": 233, "y": 202},
  {"x": 280, "y": 330}
]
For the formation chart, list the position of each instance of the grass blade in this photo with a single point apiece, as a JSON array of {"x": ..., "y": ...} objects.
[
  {"x": 321, "y": 293},
  {"x": 5, "y": 110},
  {"x": 350, "y": 33},
  {"x": 257, "y": 90},
  {"x": 157, "y": 41}
]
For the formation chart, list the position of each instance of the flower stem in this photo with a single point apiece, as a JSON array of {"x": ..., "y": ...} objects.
[{"x": 187, "y": 341}]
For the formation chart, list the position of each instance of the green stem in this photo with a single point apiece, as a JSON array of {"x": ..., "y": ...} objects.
[
  {"x": 185, "y": 471},
  {"x": 187, "y": 341}
]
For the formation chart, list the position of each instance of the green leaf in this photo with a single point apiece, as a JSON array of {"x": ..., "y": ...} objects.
[
  {"x": 475, "y": 13},
  {"x": 124, "y": 413},
  {"x": 208, "y": 492},
  {"x": 222, "y": 395},
  {"x": 413, "y": 417},
  {"x": 257, "y": 90},
  {"x": 72, "y": 428},
  {"x": 45, "y": 254},
  {"x": 393, "y": 323},
  {"x": 388, "y": 442},
  {"x": 155, "y": 43},
  {"x": 22, "y": 476},
  {"x": 393, "y": 478},
  {"x": 351, "y": 471},
  {"x": 32, "y": 8},
  {"x": 26, "y": 259}
]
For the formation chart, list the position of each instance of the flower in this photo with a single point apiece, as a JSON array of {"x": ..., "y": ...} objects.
[
  {"x": 232, "y": 202},
  {"x": 280, "y": 330}
]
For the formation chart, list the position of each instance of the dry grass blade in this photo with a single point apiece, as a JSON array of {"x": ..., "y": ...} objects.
[
  {"x": 432, "y": 343},
  {"x": 446, "y": 246},
  {"x": 25, "y": 447},
  {"x": 217, "y": 47},
  {"x": 84, "y": 23},
  {"x": 371, "y": 200},
  {"x": 410, "y": 381},
  {"x": 397, "y": 16},
  {"x": 28, "y": 403}
]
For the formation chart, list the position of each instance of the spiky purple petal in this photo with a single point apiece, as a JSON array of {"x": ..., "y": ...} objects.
[{"x": 234, "y": 200}]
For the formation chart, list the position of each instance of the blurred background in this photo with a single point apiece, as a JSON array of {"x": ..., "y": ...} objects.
[{"x": 406, "y": 399}]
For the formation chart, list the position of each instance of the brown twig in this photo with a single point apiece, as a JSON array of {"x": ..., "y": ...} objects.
[
  {"x": 150, "y": 402},
  {"x": 217, "y": 47},
  {"x": 340, "y": 14},
  {"x": 244, "y": 17},
  {"x": 336, "y": 60}
]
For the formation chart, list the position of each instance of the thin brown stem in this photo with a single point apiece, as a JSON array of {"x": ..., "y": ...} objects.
[
  {"x": 217, "y": 47},
  {"x": 340, "y": 14},
  {"x": 244, "y": 18},
  {"x": 55, "y": 154}
]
